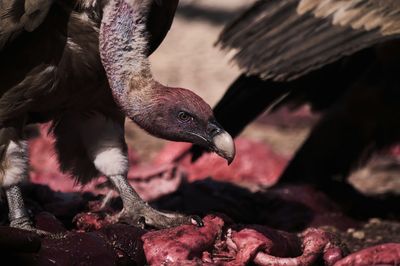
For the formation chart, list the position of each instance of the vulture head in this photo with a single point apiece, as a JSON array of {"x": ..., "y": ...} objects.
[{"x": 171, "y": 113}]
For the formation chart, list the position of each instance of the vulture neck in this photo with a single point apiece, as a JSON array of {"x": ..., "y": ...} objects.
[{"x": 123, "y": 51}]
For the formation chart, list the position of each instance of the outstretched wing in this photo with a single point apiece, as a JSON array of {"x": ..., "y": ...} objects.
[
  {"x": 17, "y": 16},
  {"x": 285, "y": 39}
]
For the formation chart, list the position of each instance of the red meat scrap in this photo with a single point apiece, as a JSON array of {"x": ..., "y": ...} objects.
[
  {"x": 182, "y": 244},
  {"x": 385, "y": 254},
  {"x": 217, "y": 244}
]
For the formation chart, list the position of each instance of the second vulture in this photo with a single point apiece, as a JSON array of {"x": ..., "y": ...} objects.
[{"x": 340, "y": 56}]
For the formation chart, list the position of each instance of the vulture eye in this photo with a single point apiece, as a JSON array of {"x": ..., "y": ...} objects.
[{"x": 184, "y": 117}]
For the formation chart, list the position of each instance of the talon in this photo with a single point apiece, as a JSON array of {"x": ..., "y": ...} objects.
[
  {"x": 196, "y": 220},
  {"x": 141, "y": 223},
  {"x": 41, "y": 232},
  {"x": 137, "y": 212}
]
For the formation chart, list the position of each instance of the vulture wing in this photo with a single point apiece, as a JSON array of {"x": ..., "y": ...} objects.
[
  {"x": 21, "y": 15},
  {"x": 285, "y": 39},
  {"x": 160, "y": 19}
]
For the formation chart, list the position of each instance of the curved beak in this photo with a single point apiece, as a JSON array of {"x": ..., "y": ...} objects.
[{"x": 221, "y": 142}]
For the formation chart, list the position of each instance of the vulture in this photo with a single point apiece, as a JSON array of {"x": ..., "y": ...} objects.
[
  {"x": 340, "y": 56},
  {"x": 83, "y": 65}
]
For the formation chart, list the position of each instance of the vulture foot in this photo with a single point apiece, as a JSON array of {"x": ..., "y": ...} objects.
[
  {"x": 138, "y": 212},
  {"x": 18, "y": 215},
  {"x": 148, "y": 216},
  {"x": 25, "y": 223}
]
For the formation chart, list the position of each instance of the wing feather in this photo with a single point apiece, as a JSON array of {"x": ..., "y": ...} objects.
[
  {"x": 285, "y": 39},
  {"x": 17, "y": 16}
]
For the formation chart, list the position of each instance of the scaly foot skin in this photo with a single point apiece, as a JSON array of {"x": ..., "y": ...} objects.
[
  {"x": 149, "y": 217},
  {"x": 18, "y": 215},
  {"x": 25, "y": 223}
]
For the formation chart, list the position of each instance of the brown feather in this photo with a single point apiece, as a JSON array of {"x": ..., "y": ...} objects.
[{"x": 285, "y": 39}]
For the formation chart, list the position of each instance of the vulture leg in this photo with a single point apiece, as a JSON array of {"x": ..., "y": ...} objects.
[
  {"x": 108, "y": 153},
  {"x": 15, "y": 170},
  {"x": 17, "y": 212}
]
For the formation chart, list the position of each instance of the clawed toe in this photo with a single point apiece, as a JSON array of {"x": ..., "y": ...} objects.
[
  {"x": 40, "y": 232},
  {"x": 33, "y": 230},
  {"x": 196, "y": 220},
  {"x": 159, "y": 220},
  {"x": 141, "y": 222},
  {"x": 139, "y": 213}
]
